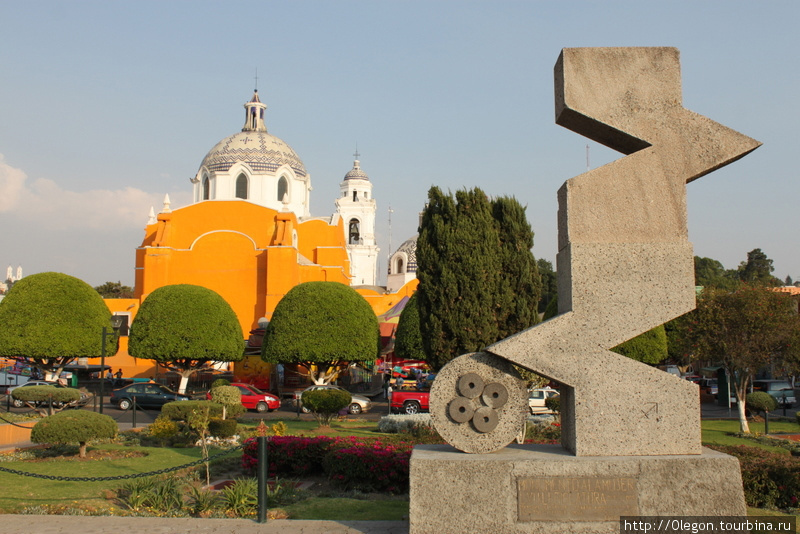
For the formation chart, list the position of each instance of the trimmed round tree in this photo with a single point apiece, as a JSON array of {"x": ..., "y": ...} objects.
[
  {"x": 50, "y": 319},
  {"x": 322, "y": 326},
  {"x": 74, "y": 426},
  {"x": 184, "y": 327}
]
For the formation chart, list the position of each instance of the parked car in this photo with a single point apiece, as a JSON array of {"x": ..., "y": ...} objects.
[
  {"x": 537, "y": 398},
  {"x": 358, "y": 403},
  {"x": 409, "y": 401},
  {"x": 781, "y": 390},
  {"x": 255, "y": 399},
  {"x": 709, "y": 386},
  {"x": 17, "y": 403},
  {"x": 148, "y": 395}
]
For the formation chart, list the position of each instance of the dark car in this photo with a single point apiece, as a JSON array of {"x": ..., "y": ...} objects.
[{"x": 148, "y": 395}]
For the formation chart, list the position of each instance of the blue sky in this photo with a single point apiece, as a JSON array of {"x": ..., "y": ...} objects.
[{"x": 107, "y": 106}]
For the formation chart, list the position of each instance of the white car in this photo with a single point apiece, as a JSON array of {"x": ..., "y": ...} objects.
[{"x": 537, "y": 398}]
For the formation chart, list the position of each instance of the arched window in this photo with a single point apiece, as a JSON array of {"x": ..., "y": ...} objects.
[
  {"x": 283, "y": 189},
  {"x": 206, "y": 188},
  {"x": 241, "y": 186},
  {"x": 355, "y": 236},
  {"x": 400, "y": 267}
]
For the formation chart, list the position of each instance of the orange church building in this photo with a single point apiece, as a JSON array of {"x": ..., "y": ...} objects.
[{"x": 249, "y": 236}]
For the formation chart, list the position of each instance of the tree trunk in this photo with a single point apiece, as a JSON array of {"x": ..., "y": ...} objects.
[
  {"x": 82, "y": 449},
  {"x": 185, "y": 374},
  {"x": 741, "y": 393}
]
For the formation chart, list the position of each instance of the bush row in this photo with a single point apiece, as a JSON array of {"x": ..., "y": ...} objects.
[
  {"x": 770, "y": 479},
  {"x": 349, "y": 463}
]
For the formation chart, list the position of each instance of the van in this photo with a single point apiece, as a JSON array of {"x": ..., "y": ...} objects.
[{"x": 781, "y": 390}]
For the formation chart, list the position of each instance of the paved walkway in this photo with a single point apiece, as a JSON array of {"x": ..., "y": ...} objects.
[{"x": 62, "y": 524}]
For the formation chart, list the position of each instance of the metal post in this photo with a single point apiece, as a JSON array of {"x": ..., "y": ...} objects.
[
  {"x": 102, "y": 369},
  {"x": 784, "y": 404},
  {"x": 262, "y": 478},
  {"x": 766, "y": 423}
]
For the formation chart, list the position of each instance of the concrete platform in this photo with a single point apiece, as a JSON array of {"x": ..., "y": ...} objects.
[{"x": 543, "y": 488}]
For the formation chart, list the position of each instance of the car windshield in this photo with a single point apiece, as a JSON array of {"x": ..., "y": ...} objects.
[{"x": 255, "y": 390}]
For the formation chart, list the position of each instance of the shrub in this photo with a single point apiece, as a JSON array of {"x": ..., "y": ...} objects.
[
  {"x": 546, "y": 433},
  {"x": 231, "y": 398},
  {"x": 222, "y": 428},
  {"x": 220, "y": 382},
  {"x": 368, "y": 467},
  {"x": 326, "y": 403},
  {"x": 392, "y": 424},
  {"x": 182, "y": 410},
  {"x": 761, "y": 401},
  {"x": 75, "y": 426},
  {"x": 553, "y": 403},
  {"x": 770, "y": 479},
  {"x": 163, "y": 428},
  {"x": 46, "y": 396}
]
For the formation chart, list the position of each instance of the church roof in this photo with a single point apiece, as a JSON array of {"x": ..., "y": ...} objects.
[
  {"x": 356, "y": 173},
  {"x": 410, "y": 249},
  {"x": 262, "y": 152},
  {"x": 254, "y": 146}
]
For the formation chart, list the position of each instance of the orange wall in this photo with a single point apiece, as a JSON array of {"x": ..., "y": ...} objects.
[{"x": 245, "y": 253}]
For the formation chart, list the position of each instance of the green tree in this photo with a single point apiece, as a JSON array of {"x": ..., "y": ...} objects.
[
  {"x": 326, "y": 404},
  {"x": 322, "y": 326},
  {"x": 549, "y": 283},
  {"x": 185, "y": 327},
  {"x": 408, "y": 337},
  {"x": 757, "y": 269},
  {"x": 788, "y": 281},
  {"x": 50, "y": 319},
  {"x": 711, "y": 273},
  {"x": 114, "y": 290},
  {"x": 745, "y": 330},
  {"x": 478, "y": 280},
  {"x": 519, "y": 284},
  {"x": 74, "y": 426},
  {"x": 648, "y": 347},
  {"x": 47, "y": 400}
]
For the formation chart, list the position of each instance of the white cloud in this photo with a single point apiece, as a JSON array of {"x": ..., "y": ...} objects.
[{"x": 44, "y": 201}]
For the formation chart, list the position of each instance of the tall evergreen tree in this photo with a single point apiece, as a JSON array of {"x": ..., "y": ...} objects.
[
  {"x": 520, "y": 283},
  {"x": 408, "y": 338},
  {"x": 757, "y": 269},
  {"x": 478, "y": 280},
  {"x": 549, "y": 283}
]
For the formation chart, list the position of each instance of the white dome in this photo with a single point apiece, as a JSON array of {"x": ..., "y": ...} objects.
[{"x": 262, "y": 152}]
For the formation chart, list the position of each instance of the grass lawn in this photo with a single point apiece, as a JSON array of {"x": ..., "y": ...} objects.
[
  {"x": 21, "y": 491},
  {"x": 721, "y": 433}
]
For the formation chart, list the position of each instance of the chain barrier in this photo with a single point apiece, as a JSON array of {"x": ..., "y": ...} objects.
[
  {"x": 122, "y": 477},
  {"x": 15, "y": 424}
]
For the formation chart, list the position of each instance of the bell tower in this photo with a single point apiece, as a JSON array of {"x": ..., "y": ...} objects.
[{"x": 357, "y": 208}]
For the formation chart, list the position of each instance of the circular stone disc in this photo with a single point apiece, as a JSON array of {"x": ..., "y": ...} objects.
[
  {"x": 510, "y": 417},
  {"x": 460, "y": 409},
  {"x": 494, "y": 395},
  {"x": 470, "y": 385},
  {"x": 485, "y": 419}
]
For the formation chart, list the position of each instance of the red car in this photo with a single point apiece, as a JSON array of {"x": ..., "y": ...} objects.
[{"x": 255, "y": 399}]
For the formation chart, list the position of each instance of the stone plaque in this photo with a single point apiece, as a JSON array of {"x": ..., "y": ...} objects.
[{"x": 576, "y": 498}]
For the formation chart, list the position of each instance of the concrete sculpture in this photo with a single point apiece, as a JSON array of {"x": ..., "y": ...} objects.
[
  {"x": 625, "y": 265},
  {"x": 631, "y": 433}
]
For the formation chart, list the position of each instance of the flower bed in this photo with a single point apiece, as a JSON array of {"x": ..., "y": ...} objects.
[{"x": 352, "y": 463}]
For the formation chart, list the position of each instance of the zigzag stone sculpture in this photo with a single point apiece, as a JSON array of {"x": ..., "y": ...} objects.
[{"x": 625, "y": 265}]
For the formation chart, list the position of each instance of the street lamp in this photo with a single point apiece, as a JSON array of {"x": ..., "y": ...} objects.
[{"x": 116, "y": 324}]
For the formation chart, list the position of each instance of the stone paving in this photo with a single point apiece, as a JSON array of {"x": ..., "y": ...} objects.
[{"x": 55, "y": 524}]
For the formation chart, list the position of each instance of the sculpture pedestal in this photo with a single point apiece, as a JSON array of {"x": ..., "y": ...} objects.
[{"x": 543, "y": 488}]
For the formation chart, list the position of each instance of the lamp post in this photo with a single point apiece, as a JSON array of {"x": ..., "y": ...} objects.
[{"x": 116, "y": 323}]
